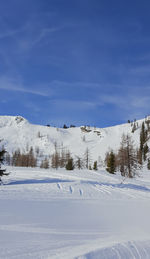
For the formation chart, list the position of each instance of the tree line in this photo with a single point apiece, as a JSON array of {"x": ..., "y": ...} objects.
[
  {"x": 128, "y": 158},
  {"x": 61, "y": 158}
]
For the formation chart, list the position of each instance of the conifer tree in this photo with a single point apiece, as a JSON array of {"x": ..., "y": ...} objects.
[
  {"x": 148, "y": 164},
  {"x": 65, "y": 126},
  {"x": 145, "y": 151},
  {"x": 31, "y": 159},
  {"x": 2, "y": 171},
  {"x": 111, "y": 163},
  {"x": 143, "y": 148},
  {"x": 134, "y": 127},
  {"x": 95, "y": 165},
  {"x": 142, "y": 135},
  {"x": 70, "y": 165},
  {"x": 79, "y": 163}
]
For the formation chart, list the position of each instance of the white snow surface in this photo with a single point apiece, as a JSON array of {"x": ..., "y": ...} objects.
[
  {"x": 16, "y": 132},
  {"x": 71, "y": 214},
  {"x": 74, "y": 214}
]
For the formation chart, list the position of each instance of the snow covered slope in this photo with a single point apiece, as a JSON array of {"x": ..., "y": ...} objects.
[
  {"x": 53, "y": 214},
  {"x": 71, "y": 214},
  {"x": 17, "y": 132}
]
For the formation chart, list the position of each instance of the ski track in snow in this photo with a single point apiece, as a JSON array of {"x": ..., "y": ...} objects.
[
  {"x": 71, "y": 189},
  {"x": 81, "y": 192},
  {"x": 59, "y": 186}
]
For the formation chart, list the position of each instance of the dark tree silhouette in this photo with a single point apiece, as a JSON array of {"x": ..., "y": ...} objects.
[{"x": 2, "y": 171}]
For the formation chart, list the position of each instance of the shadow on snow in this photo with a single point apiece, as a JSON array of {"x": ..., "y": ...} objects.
[
  {"x": 119, "y": 185},
  {"x": 37, "y": 181},
  {"x": 57, "y": 180}
]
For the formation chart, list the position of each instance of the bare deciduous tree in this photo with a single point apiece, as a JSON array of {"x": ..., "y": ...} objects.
[
  {"x": 127, "y": 157},
  {"x": 87, "y": 157}
]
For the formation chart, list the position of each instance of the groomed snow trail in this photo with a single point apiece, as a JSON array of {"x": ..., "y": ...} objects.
[{"x": 79, "y": 214}]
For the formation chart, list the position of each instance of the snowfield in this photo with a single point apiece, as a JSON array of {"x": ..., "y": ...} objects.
[{"x": 74, "y": 214}]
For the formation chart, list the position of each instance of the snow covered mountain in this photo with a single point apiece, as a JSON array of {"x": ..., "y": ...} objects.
[
  {"x": 72, "y": 214},
  {"x": 16, "y": 132}
]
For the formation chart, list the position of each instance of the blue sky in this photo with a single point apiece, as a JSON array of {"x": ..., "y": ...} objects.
[{"x": 82, "y": 62}]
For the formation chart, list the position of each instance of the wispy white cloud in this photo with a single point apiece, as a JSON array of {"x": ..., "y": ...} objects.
[
  {"x": 9, "y": 33},
  {"x": 115, "y": 99},
  {"x": 74, "y": 85},
  {"x": 41, "y": 36},
  {"x": 11, "y": 84},
  {"x": 141, "y": 70},
  {"x": 126, "y": 101},
  {"x": 46, "y": 32},
  {"x": 129, "y": 106},
  {"x": 73, "y": 104},
  {"x": 34, "y": 107},
  {"x": 36, "y": 32},
  {"x": 140, "y": 101}
]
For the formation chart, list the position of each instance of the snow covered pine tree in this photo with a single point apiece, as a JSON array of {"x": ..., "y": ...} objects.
[{"x": 2, "y": 171}]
